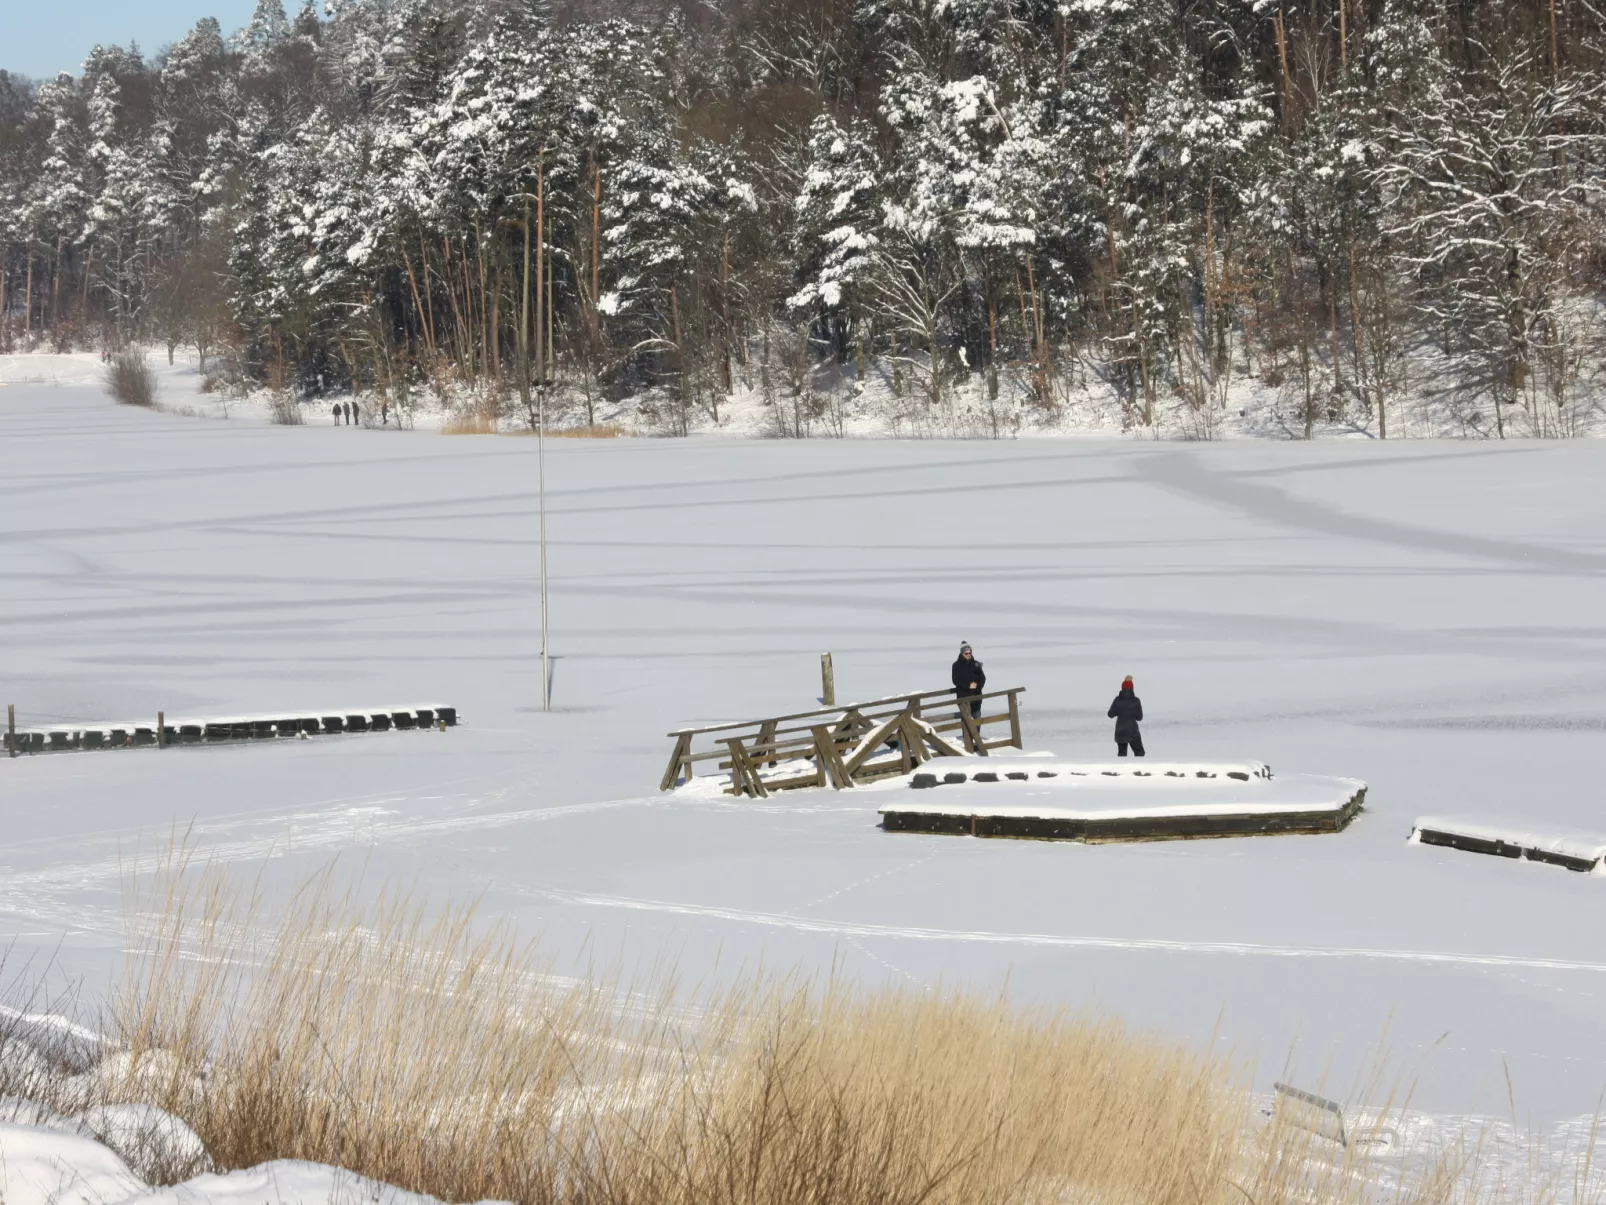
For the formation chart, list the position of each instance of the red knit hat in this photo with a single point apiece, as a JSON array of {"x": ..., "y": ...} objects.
[{"x": 1126, "y": 681}]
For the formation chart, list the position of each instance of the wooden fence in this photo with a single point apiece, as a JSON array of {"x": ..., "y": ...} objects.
[{"x": 845, "y": 745}]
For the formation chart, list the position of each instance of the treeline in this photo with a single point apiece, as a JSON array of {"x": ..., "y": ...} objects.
[{"x": 1162, "y": 199}]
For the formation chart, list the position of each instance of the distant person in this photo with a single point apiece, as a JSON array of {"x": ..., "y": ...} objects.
[
  {"x": 1126, "y": 711},
  {"x": 336, "y": 410},
  {"x": 355, "y": 413},
  {"x": 969, "y": 680}
]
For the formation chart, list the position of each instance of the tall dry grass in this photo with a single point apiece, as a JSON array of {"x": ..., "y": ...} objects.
[
  {"x": 476, "y": 422},
  {"x": 598, "y": 431},
  {"x": 470, "y": 422},
  {"x": 429, "y": 1050},
  {"x": 129, "y": 378}
]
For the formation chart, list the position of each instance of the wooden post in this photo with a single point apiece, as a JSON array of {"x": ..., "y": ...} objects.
[
  {"x": 973, "y": 740},
  {"x": 827, "y": 681},
  {"x": 1014, "y": 721},
  {"x": 11, "y": 729},
  {"x": 672, "y": 773},
  {"x": 829, "y": 758},
  {"x": 161, "y": 730},
  {"x": 744, "y": 773}
]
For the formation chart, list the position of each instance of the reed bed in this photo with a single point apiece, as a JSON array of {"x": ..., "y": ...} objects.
[
  {"x": 598, "y": 431},
  {"x": 476, "y": 421},
  {"x": 425, "y": 1048}
]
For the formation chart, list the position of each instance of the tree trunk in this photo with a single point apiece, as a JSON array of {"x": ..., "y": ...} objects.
[
  {"x": 55, "y": 286},
  {"x": 459, "y": 322},
  {"x": 1332, "y": 327},
  {"x": 1360, "y": 360},
  {"x": 486, "y": 369},
  {"x": 418, "y": 306},
  {"x": 596, "y": 227},
  {"x": 725, "y": 317},
  {"x": 429, "y": 298},
  {"x": 495, "y": 352},
  {"x": 1282, "y": 57},
  {"x": 1039, "y": 343},
  {"x": 674, "y": 331}
]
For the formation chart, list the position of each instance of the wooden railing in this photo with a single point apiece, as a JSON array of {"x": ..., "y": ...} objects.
[{"x": 841, "y": 746}]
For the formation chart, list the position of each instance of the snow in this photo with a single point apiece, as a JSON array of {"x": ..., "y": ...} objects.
[
  {"x": 40, "y": 1166},
  {"x": 146, "y": 1135},
  {"x": 1109, "y": 798},
  {"x": 1086, "y": 406},
  {"x": 46, "y": 1167},
  {"x": 1590, "y": 847},
  {"x": 1422, "y": 615},
  {"x": 290, "y": 1181},
  {"x": 1130, "y": 772}
]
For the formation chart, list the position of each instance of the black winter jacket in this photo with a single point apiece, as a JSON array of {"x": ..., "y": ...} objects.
[
  {"x": 1126, "y": 711},
  {"x": 966, "y": 672}
]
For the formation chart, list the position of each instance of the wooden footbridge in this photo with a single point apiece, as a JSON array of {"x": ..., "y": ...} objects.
[{"x": 844, "y": 745}]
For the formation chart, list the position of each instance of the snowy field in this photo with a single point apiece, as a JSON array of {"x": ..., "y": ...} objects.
[{"x": 1427, "y": 617}]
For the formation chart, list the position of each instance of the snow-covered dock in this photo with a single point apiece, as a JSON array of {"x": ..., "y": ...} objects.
[
  {"x": 1053, "y": 800},
  {"x": 62, "y": 738},
  {"x": 1557, "y": 847}
]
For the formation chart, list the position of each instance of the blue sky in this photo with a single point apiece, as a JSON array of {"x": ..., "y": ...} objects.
[{"x": 42, "y": 37}]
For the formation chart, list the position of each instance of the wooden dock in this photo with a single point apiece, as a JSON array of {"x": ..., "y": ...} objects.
[
  {"x": 181, "y": 731},
  {"x": 1569, "y": 849},
  {"x": 846, "y": 745},
  {"x": 1160, "y": 804}
]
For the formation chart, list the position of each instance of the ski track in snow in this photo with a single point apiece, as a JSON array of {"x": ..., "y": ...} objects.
[
  {"x": 53, "y": 893},
  {"x": 784, "y": 920}
]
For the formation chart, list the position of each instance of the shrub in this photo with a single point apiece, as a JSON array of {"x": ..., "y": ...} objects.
[
  {"x": 129, "y": 378},
  {"x": 285, "y": 411}
]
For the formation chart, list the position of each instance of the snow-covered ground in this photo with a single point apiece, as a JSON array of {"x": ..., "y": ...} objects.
[
  {"x": 1427, "y": 617},
  {"x": 61, "y": 1161},
  {"x": 836, "y": 404}
]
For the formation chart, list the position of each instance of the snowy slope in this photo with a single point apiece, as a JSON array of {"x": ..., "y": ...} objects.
[
  {"x": 46, "y": 1166},
  {"x": 1426, "y": 617}
]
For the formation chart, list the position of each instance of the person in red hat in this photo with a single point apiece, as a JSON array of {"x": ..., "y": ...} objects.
[{"x": 1126, "y": 711}]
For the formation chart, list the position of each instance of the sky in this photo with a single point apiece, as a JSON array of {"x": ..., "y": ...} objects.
[{"x": 40, "y": 39}]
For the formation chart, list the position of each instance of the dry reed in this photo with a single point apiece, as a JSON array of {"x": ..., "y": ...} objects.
[
  {"x": 470, "y": 422},
  {"x": 600, "y": 431},
  {"x": 428, "y": 1050},
  {"x": 474, "y": 423},
  {"x": 129, "y": 378}
]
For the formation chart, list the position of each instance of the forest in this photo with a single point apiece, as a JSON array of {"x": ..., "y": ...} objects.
[{"x": 976, "y": 212}]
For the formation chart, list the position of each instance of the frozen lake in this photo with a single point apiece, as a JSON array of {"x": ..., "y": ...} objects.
[{"x": 1430, "y": 618}]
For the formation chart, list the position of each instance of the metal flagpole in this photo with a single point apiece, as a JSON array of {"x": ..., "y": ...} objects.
[
  {"x": 540, "y": 430},
  {"x": 540, "y": 452}
]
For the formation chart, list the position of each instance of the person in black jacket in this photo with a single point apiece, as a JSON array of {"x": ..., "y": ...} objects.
[
  {"x": 1126, "y": 711},
  {"x": 969, "y": 679}
]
